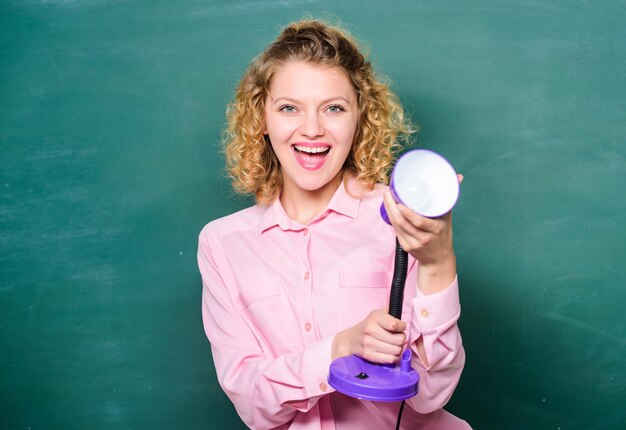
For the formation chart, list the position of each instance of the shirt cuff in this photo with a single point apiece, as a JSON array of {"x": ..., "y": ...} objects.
[
  {"x": 435, "y": 310},
  {"x": 316, "y": 362}
]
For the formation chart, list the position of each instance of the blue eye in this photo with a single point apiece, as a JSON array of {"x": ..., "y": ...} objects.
[
  {"x": 335, "y": 109},
  {"x": 287, "y": 108}
]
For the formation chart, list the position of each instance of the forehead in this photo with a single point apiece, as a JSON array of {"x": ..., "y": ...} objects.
[{"x": 305, "y": 79}]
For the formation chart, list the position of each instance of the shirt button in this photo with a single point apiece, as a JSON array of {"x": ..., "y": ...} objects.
[
  {"x": 323, "y": 387},
  {"x": 307, "y": 327},
  {"x": 306, "y": 275},
  {"x": 305, "y": 232},
  {"x": 425, "y": 313}
]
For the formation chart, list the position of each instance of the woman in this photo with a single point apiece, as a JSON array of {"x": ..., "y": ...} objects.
[{"x": 302, "y": 277}]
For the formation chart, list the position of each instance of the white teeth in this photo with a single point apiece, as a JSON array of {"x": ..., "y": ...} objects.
[{"x": 311, "y": 150}]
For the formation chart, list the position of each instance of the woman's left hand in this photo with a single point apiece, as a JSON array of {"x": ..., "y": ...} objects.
[{"x": 429, "y": 240}]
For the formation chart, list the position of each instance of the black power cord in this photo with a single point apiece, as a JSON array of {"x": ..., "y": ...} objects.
[
  {"x": 397, "y": 296},
  {"x": 400, "y": 415}
]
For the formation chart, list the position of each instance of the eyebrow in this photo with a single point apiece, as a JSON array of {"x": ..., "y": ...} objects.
[{"x": 296, "y": 101}]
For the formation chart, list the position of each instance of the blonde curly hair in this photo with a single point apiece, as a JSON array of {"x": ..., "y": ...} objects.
[{"x": 382, "y": 126}]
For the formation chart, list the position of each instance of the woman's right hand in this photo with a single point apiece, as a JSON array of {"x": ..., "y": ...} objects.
[{"x": 378, "y": 338}]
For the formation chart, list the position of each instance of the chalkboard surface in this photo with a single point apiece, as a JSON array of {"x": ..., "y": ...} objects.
[{"x": 110, "y": 120}]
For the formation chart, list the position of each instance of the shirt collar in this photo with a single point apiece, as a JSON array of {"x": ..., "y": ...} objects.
[
  {"x": 275, "y": 215},
  {"x": 345, "y": 201}
]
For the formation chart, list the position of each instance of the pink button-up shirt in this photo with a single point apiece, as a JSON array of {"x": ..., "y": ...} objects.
[{"x": 275, "y": 292}]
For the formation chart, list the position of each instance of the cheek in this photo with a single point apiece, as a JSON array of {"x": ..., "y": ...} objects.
[
  {"x": 279, "y": 130},
  {"x": 345, "y": 134},
  {"x": 279, "y": 149}
]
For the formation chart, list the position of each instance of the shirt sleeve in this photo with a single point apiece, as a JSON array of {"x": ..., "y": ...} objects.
[
  {"x": 267, "y": 391},
  {"x": 434, "y": 318}
]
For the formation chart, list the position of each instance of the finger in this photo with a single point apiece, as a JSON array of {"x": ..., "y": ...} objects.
[
  {"x": 387, "y": 321},
  {"x": 371, "y": 337},
  {"x": 379, "y": 347},
  {"x": 394, "y": 325},
  {"x": 377, "y": 357},
  {"x": 461, "y": 177},
  {"x": 391, "y": 208},
  {"x": 418, "y": 221},
  {"x": 380, "y": 352},
  {"x": 375, "y": 332},
  {"x": 404, "y": 219},
  {"x": 387, "y": 337}
]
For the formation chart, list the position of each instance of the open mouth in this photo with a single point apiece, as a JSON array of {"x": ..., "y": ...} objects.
[{"x": 311, "y": 157}]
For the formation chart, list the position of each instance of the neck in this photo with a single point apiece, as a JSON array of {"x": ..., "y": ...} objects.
[{"x": 303, "y": 205}]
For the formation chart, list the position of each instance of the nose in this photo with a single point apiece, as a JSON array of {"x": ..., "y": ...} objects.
[{"x": 311, "y": 126}]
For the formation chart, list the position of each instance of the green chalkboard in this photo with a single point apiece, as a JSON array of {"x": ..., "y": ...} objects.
[{"x": 110, "y": 120}]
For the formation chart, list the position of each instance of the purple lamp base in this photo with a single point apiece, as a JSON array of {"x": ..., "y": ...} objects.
[{"x": 356, "y": 377}]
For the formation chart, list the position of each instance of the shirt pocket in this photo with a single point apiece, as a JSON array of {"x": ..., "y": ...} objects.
[
  {"x": 361, "y": 292},
  {"x": 254, "y": 292},
  {"x": 266, "y": 310},
  {"x": 259, "y": 303}
]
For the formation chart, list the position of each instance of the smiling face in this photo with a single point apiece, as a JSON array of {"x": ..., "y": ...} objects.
[{"x": 311, "y": 115}]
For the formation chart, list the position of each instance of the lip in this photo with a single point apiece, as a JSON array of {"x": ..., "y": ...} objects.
[{"x": 310, "y": 162}]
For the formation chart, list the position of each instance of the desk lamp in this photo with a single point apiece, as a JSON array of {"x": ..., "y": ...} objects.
[{"x": 425, "y": 182}]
